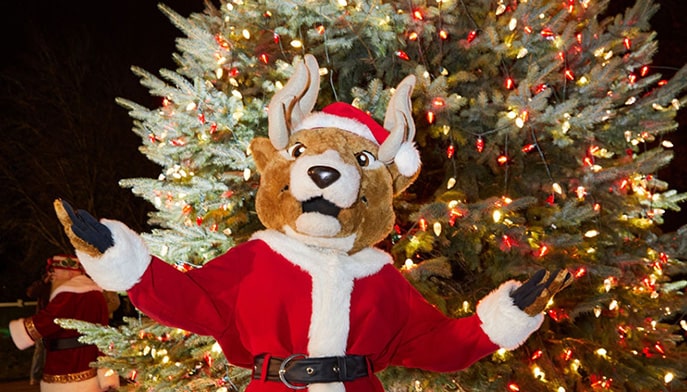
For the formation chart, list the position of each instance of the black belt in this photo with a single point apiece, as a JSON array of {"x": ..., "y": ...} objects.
[
  {"x": 299, "y": 369},
  {"x": 64, "y": 343}
]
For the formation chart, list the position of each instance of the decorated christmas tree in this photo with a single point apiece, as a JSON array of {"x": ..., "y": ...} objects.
[{"x": 542, "y": 127}]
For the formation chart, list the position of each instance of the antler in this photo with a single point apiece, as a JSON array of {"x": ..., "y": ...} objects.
[
  {"x": 293, "y": 102},
  {"x": 398, "y": 120}
]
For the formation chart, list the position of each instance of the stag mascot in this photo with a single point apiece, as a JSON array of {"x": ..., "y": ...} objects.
[{"x": 309, "y": 302}]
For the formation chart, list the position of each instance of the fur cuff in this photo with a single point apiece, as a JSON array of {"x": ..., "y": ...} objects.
[
  {"x": 122, "y": 265},
  {"x": 20, "y": 337},
  {"x": 504, "y": 323}
]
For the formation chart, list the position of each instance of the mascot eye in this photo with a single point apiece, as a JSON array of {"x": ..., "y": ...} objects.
[
  {"x": 364, "y": 158},
  {"x": 296, "y": 150}
]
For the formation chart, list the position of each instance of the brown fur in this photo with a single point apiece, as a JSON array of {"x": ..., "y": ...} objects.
[{"x": 370, "y": 218}]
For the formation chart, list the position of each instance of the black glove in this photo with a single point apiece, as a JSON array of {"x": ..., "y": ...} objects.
[
  {"x": 84, "y": 226},
  {"x": 534, "y": 294}
]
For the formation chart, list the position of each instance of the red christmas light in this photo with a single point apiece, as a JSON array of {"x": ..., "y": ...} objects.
[
  {"x": 632, "y": 78},
  {"x": 221, "y": 41},
  {"x": 438, "y": 102},
  {"x": 186, "y": 209},
  {"x": 450, "y": 150},
  {"x": 214, "y": 227},
  {"x": 423, "y": 224},
  {"x": 644, "y": 71},
  {"x": 569, "y": 74},
  {"x": 479, "y": 144},
  {"x": 551, "y": 199},
  {"x": 402, "y": 55},
  {"x": 201, "y": 118},
  {"x": 412, "y": 36},
  {"x": 509, "y": 83},
  {"x": 547, "y": 33},
  {"x": 580, "y": 272},
  {"x": 659, "y": 347},
  {"x": 430, "y": 117},
  {"x": 561, "y": 56},
  {"x": 541, "y": 87},
  {"x": 506, "y": 243},
  {"x": 472, "y": 35},
  {"x": 264, "y": 58},
  {"x": 513, "y": 387},
  {"x": 528, "y": 148},
  {"x": 579, "y": 38},
  {"x": 502, "y": 159},
  {"x": 528, "y": 30},
  {"x": 276, "y": 38},
  {"x": 213, "y": 128},
  {"x": 417, "y": 15},
  {"x": 320, "y": 29},
  {"x": 443, "y": 34},
  {"x": 627, "y": 43},
  {"x": 536, "y": 355},
  {"x": 199, "y": 220},
  {"x": 567, "y": 354}
]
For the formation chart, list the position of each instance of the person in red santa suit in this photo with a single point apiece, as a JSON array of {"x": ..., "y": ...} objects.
[{"x": 67, "y": 363}]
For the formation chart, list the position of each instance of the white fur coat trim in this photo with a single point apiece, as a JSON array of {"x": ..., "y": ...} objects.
[
  {"x": 504, "y": 323},
  {"x": 333, "y": 274},
  {"x": 123, "y": 264},
  {"x": 78, "y": 284}
]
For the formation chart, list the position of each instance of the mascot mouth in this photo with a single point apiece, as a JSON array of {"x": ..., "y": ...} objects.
[{"x": 321, "y": 205}]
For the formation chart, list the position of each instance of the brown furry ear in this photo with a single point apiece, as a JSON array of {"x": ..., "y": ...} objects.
[
  {"x": 263, "y": 151},
  {"x": 402, "y": 182}
]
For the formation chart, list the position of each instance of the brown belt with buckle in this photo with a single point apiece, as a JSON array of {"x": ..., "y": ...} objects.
[{"x": 300, "y": 369}]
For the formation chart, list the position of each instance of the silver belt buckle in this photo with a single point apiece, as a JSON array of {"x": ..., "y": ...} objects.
[{"x": 282, "y": 371}]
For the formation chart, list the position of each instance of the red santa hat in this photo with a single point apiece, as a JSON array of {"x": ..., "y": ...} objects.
[{"x": 347, "y": 117}]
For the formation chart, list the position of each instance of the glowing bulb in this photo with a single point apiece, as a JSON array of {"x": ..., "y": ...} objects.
[
  {"x": 296, "y": 44},
  {"x": 591, "y": 233},
  {"x": 437, "y": 228},
  {"x": 668, "y": 377},
  {"x": 451, "y": 183},
  {"x": 602, "y": 352},
  {"x": 246, "y": 34},
  {"x": 497, "y": 215}
]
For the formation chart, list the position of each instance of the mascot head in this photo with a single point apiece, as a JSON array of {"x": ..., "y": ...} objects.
[{"x": 328, "y": 178}]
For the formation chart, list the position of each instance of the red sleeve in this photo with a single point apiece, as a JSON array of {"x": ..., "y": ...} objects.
[
  {"x": 58, "y": 307},
  {"x": 200, "y": 301},
  {"x": 435, "y": 342}
]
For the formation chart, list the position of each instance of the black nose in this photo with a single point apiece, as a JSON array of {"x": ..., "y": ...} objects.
[{"x": 323, "y": 176}]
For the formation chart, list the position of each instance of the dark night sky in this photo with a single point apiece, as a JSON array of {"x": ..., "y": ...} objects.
[{"x": 119, "y": 34}]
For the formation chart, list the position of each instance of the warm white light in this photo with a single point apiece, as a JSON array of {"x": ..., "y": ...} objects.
[
  {"x": 497, "y": 216},
  {"x": 437, "y": 228},
  {"x": 668, "y": 377},
  {"x": 451, "y": 183},
  {"x": 591, "y": 233}
]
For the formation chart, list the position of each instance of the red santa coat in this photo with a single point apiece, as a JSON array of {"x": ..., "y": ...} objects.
[
  {"x": 69, "y": 370},
  {"x": 278, "y": 296}
]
